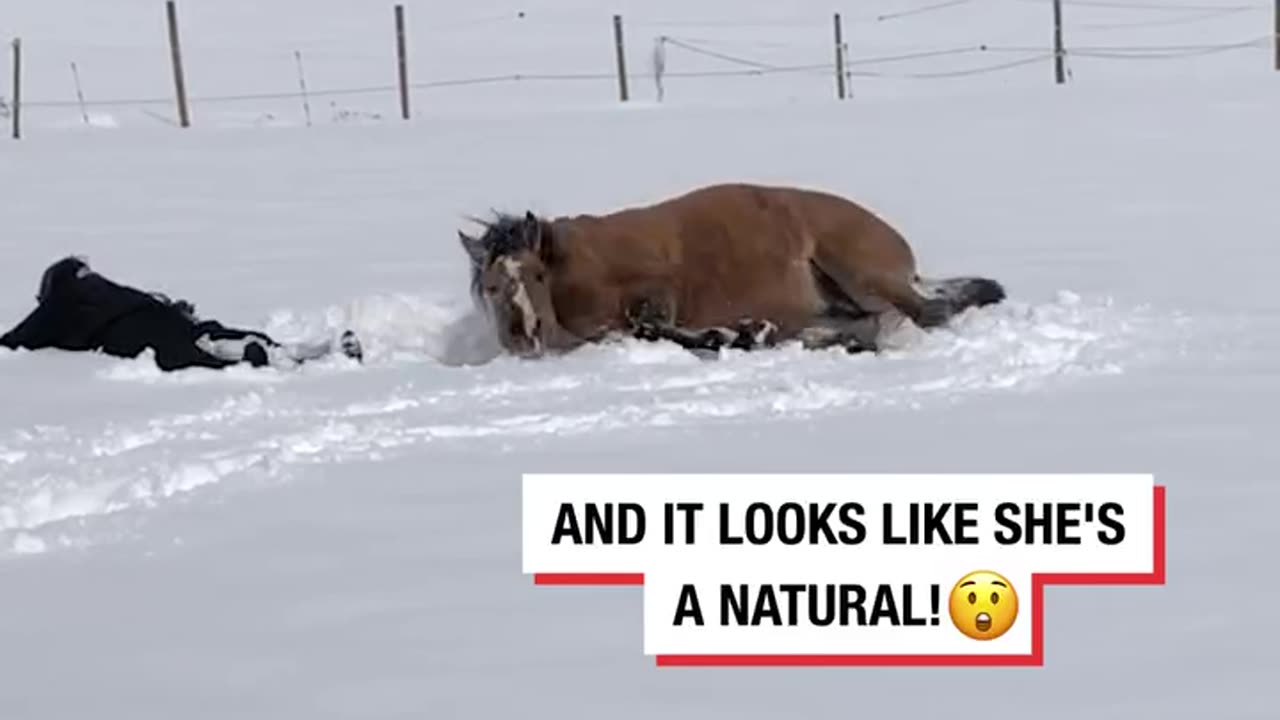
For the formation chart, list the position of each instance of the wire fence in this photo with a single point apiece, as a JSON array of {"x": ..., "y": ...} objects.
[{"x": 681, "y": 51}]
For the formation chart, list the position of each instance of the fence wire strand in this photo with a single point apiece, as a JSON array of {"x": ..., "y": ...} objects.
[
  {"x": 745, "y": 66},
  {"x": 1150, "y": 7},
  {"x": 958, "y": 73},
  {"x": 1168, "y": 52},
  {"x": 921, "y": 10},
  {"x": 687, "y": 45}
]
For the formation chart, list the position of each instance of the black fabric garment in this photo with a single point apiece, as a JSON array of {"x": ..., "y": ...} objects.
[{"x": 80, "y": 310}]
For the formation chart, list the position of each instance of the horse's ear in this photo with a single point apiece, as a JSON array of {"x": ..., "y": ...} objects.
[
  {"x": 532, "y": 228},
  {"x": 474, "y": 248},
  {"x": 535, "y": 234}
]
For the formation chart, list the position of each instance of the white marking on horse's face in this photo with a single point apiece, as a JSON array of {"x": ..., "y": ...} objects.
[{"x": 521, "y": 299}]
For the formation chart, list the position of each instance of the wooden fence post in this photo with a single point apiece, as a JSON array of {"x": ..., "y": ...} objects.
[
  {"x": 175, "y": 50},
  {"x": 1059, "y": 53},
  {"x": 840, "y": 89},
  {"x": 402, "y": 61},
  {"x": 17, "y": 89},
  {"x": 302, "y": 85},
  {"x": 75, "y": 77},
  {"x": 621, "y": 54}
]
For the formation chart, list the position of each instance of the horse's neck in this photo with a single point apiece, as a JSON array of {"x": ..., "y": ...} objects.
[{"x": 586, "y": 242}]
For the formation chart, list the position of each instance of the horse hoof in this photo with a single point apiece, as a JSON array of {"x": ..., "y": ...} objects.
[
  {"x": 760, "y": 332},
  {"x": 754, "y": 333},
  {"x": 716, "y": 338}
]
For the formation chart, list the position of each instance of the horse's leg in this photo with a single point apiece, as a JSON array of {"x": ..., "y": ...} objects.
[
  {"x": 926, "y": 312},
  {"x": 651, "y": 321},
  {"x": 746, "y": 334},
  {"x": 877, "y": 291}
]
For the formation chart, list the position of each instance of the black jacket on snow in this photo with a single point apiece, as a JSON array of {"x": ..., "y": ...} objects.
[{"x": 81, "y": 310}]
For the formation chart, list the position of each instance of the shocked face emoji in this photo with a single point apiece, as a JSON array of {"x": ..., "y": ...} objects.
[{"x": 983, "y": 605}]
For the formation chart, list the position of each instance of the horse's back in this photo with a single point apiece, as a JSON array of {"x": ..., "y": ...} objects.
[
  {"x": 813, "y": 211},
  {"x": 727, "y": 222}
]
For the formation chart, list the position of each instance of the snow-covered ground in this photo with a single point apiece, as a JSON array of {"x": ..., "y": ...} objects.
[{"x": 344, "y": 541}]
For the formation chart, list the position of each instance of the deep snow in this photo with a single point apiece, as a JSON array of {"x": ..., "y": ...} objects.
[{"x": 344, "y": 541}]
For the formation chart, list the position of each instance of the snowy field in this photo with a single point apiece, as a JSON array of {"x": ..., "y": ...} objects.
[{"x": 344, "y": 541}]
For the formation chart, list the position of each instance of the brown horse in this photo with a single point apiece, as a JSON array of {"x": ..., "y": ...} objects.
[{"x": 735, "y": 265}]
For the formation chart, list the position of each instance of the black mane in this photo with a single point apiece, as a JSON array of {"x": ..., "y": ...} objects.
[{"x": 504, "y": 235}]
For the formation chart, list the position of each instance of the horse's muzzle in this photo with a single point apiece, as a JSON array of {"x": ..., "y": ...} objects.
[
  {"x": 522, "y": 340},
  {"x": 526, "y": 347}
]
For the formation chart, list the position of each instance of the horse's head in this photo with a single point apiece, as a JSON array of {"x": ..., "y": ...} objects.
[{"x": 509, "y": 280}]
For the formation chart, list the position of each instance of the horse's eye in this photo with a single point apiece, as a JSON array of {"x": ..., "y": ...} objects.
[
  {"x": 540, "y": 277},
  {"x": 491, "y": 289}
]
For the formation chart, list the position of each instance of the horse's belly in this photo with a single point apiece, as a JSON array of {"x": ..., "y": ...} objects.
[{"x": 788, "y": 298}]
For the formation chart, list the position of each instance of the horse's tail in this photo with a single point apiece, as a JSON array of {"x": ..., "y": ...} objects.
[{"x": 962, "y": 293}]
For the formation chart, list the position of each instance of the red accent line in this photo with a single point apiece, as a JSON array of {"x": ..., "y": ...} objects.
[
  {"x": 588, "y": 579},
  {"x": 1038, "y": 583},
  {"x": 846, "y": 660}
]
